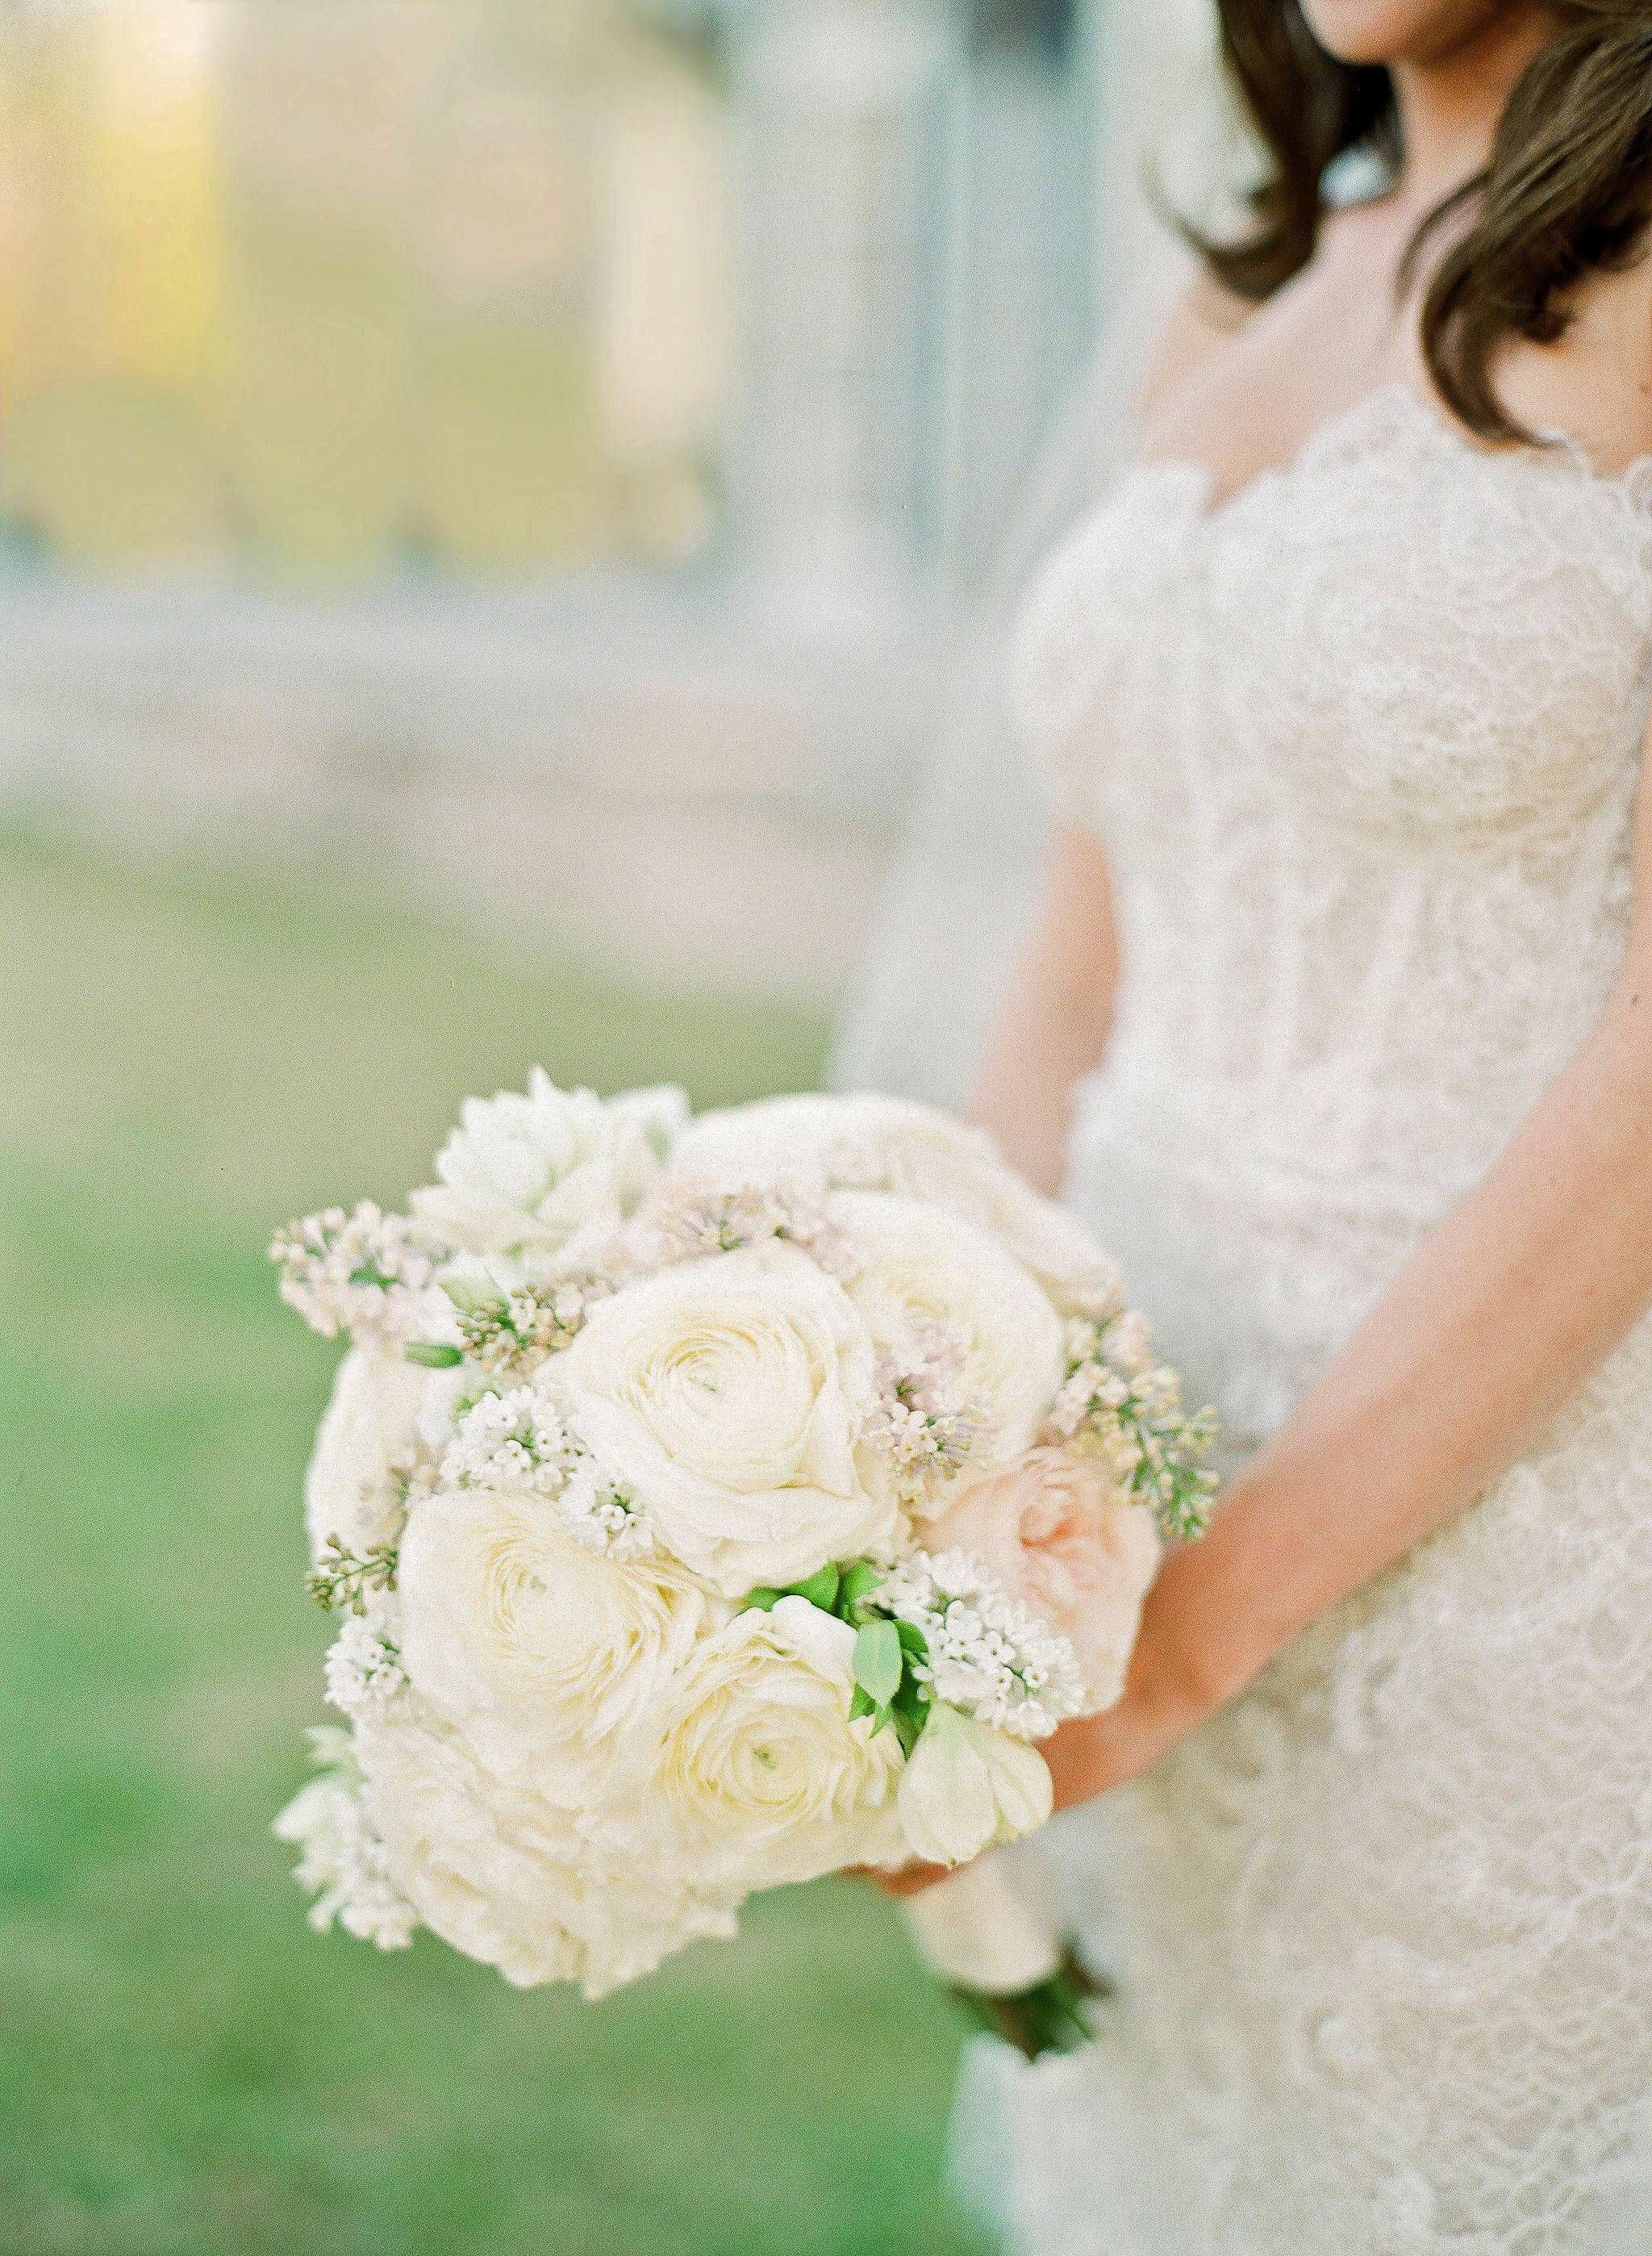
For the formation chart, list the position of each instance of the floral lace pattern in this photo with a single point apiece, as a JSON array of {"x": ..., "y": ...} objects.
[{"x": 1363, "y": 744}]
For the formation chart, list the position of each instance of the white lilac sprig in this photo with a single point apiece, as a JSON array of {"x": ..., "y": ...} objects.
[
  {"x": 510, "y": 1334},
  {"x": 1119, "y": 1403},
  {"x": 926, "y": 1421},
  {"x": 692, "y": 1215},
  {"x": 340, "y": 1579},
  {"x": 989, "y": 1654},
  {"x": 509, "y": 1441},
  {"x": 940, "y": 1630},
  {"x": 343, "y": 1577},
  {"x": 518, "y": 1440},
  {"x": 366, "y": 1272},
  {"x": 364, "y": 1672},
  {"x": 344, "y": 1863}
]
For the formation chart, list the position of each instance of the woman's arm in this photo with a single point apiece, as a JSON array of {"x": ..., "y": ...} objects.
[
  {"x": 1054, "y": 1022},
  {"x": 1496, "y": 1319}
]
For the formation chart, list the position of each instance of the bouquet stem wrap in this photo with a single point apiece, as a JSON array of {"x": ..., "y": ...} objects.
[{"x": 994, "y": 1938}]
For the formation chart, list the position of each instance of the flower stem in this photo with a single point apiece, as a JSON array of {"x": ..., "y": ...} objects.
[{"x": 1050, "y": 2017}]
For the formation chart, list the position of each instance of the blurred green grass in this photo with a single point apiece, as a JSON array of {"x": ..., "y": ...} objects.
[{"x": 185, "y": 2068}]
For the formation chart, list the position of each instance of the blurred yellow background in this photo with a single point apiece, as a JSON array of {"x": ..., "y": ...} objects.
[{"x": 294, "y": 277}]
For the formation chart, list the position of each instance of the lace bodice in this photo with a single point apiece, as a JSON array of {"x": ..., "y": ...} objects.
[
  {"x": 1362, "y": 746},
  {"x": 1361, "y": 742}
]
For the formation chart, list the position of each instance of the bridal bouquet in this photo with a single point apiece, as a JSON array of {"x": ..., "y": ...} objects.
[{"x": 708, "y": 1504}]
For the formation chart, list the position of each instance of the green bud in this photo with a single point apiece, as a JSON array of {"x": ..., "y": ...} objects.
[
  {"x": 432, "y": 1357},
  {"x": 466, "y": 1294}
]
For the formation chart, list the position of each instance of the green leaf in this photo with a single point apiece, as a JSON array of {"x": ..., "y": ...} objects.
[
  {"x": 763, "y": 1599},
  {"x": 860, "y": 1705},
  {"x": 820, "y": 1590},
  {"x": 432, "y": 1357},
  {"x": 908, "y": 1730},
  {"x": 913, "y": 1639},
  {"x": 858, "y": 1582},
  {"x": 879, "y": 1661}
]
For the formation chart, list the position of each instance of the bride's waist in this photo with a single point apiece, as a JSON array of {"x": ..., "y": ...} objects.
[
  {"x": 1256, "y": 1235},
  {"x": 1254, "y": 1246}
]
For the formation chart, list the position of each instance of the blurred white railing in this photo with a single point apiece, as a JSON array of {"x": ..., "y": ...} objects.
[{"x": 642, "y": 779}]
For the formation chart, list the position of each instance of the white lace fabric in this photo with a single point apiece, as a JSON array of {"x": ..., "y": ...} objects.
[{"x": 1363, "y": 743}]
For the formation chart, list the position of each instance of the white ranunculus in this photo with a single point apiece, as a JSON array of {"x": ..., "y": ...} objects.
[
  {"x": 727, "y": 1397},
  {"x": 812, "y": 1137},
  {"x": 875, "y": 1143},
  {"x": 550, "y": 1172},
  {"x": 919, "y": 1266},
  {"x": 1053, "y": 1244},
  {"x": 633, "y": 1919},
  {"x": 505, "y": 1876},
  {"x": 547, "y": 1655},
  {"x": 968, "y": 1788},
  {"x": 508, "y": 1877},
  {"x": 758, "y": 1763},
  {"x": 371, "y": 1421},
  {"x": 493, "y": 1871}
]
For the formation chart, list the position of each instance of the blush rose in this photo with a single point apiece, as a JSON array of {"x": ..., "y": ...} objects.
[{"x": 1056, "y": 1532}]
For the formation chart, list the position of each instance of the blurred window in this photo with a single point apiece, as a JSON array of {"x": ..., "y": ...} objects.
[{"x": 363, "y": 286}]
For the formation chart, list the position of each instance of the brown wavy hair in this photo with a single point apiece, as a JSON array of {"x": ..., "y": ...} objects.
[{"x": 1568, "y": 192}]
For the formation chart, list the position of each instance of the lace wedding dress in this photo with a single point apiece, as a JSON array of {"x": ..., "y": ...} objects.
[{"x": 1362, "y": 744}]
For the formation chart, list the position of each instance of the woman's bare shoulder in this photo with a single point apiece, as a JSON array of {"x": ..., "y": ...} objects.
[
  {"x": 1203, "y": 319},
  {"x": 1596, "y": 381}
]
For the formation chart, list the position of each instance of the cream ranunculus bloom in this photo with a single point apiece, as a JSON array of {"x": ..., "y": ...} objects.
[
  {"x": 759, "y": 1767},
  {"x": 876, "y": 1143},
  {"x": 727, "y": 1397},
  {"x": 548, "y": 1656},
  {"x": 919, "y": 1266},
  {"x": 371, "y": 1421},
  {"x": 493, "y": 1871},
  {"x": 545, "y": 1173},
  {"x": 968, "y": 1787},
  {"x": 505, "y": 1876},
  {"x": 838, "y": 1141}
]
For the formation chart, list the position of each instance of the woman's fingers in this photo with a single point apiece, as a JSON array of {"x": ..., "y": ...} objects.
[{"x": 905, "y": 1879}]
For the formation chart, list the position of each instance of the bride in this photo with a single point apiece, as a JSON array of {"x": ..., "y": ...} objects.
[{"x": 1342, "y": 692}]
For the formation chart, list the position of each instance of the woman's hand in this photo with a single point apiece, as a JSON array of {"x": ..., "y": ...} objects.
[
  {"x": 1163, "y": 1699},
  {"x": 907, "y": 1880},
  {"x": 1085, "y": 1758}
]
